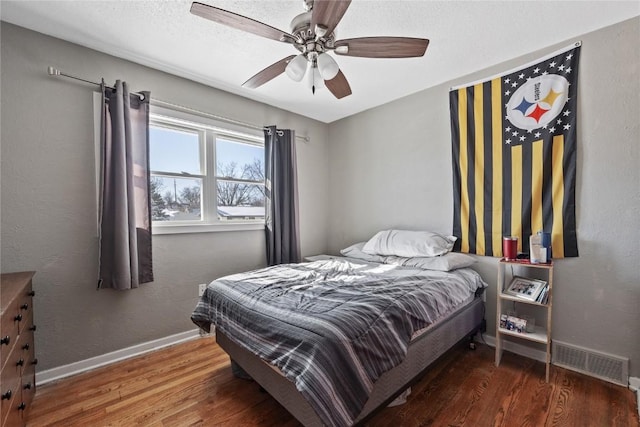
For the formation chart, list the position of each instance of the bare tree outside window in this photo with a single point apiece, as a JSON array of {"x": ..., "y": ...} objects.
[
  {"x": 185, "y": 191},
  {"x": 158, "y": 206},
  {"x": 234, "y": 193}
]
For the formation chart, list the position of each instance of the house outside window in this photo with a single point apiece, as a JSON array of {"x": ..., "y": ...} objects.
[{"x": 205, "y": 175}]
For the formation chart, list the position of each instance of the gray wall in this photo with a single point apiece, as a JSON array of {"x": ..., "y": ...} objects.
[
  {"x": 387, "y": 167},
  {"x": 48, "y": 200},
  {"x": 391, "y": 167}
]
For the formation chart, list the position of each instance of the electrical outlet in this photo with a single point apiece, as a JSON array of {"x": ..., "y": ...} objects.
[{"x": 201, "y": 288}]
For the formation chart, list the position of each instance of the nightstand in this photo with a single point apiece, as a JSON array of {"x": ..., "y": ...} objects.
[{"x": 505, "y": 300}]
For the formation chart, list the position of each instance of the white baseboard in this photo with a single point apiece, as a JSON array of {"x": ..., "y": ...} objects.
[
  {"x": 634, "y": 384},
  {"x": 516, "y": 348},
  {"x": 60, "y": 372}
]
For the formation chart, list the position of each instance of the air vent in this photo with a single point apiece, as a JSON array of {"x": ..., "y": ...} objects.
[{"x": 600, "y": 365}]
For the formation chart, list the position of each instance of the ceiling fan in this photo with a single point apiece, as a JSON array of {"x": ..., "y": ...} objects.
[{"x": 313, "y": 35}]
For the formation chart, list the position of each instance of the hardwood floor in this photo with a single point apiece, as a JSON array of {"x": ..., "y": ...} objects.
[{"x": 191, "y": 384}]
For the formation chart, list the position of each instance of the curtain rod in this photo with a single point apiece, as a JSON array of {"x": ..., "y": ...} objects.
[{"x": 55, "y": 73}]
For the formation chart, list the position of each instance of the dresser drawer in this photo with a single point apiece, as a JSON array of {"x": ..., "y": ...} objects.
[
  {"x": 25, "y": 307},
  {"x": 23, "y": 353},
  {"x": 17, "y": 359},
  {"x": 29, "y": 383},
  {"x": 9, "y": 329},
  {"x": 13, "y": 415},
  {"x": 10, "y": 392}
]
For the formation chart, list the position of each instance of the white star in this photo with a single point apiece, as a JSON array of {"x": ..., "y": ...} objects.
[
  {"x": 569, "y": 56},
  {"x": 507, "y": 80},
  {"x": 521, "y": 76},
  {"x": 561, "y": 67},
  {"x": 566, "y": 113},
  {"x": 514, "y": 133},
  {"x": 522, "y": 138},
  {"x": 552, "y": 129},
  {"x": 559, "y": 121},
  {"x": 537, "y": 134},
  {"x": 514, "y": 84},
  {"x": 536, "y": 70},
  {"x": 507, "y": 93},
  {"x": 567, "y": 126},
  {"x": 568, "y": 70},
  {"x": 508, "y": 141},
  {"x": 552, "y": 64},
  {"x": 507, "y": 129},
  {"x": 544, "y": 127},
  {"x": 545, "y": 73}
]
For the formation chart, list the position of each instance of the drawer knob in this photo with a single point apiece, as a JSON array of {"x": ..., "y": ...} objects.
[
  {"x": 27, "y": 386},
  {"x": 6, "y": 340},
  {"x": 7, "y": 395},
  {"x": 22, "y": 406},
  {"x": 20, "y": 362},
  {"x": 26, "y": 346},
  {"x": 34, "y": 361},
  {"x": 18, "y": 318},
  {"x": 32, "y": 293},
  {"x": 32, "y": 328},
  {"x": 24, "y": 306}
]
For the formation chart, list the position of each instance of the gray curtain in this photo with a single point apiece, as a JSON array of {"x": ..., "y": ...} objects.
[
  {"x": 125, "y": 209},
  {"x": 282, "y": 231}
]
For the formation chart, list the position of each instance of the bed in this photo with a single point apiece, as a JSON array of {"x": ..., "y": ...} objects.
[{"x": 333, "y": 340}]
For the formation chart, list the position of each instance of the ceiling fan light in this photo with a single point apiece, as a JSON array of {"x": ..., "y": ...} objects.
[
  {"x": 342, "y": 50},
  {"x": 296, "y": 68},
  {"x": 327, "y": 66}
]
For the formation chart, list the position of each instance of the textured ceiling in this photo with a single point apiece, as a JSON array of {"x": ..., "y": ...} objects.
[{"x": 465, "y": 36}]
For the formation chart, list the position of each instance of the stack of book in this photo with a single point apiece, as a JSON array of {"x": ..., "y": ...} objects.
[{"x": 543, "y": 297}]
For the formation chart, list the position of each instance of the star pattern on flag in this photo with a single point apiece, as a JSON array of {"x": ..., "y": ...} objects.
[{"x": 559, "y": 65}]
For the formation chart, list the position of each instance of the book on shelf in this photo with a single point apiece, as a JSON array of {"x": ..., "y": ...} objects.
[{"x": 543, "y": 298}]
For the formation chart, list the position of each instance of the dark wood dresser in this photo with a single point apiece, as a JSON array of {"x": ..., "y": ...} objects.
[{"x": 17, "y": 378}]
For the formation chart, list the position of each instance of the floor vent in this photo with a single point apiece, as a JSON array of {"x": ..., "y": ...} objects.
[{"x": 600, "y": 365}]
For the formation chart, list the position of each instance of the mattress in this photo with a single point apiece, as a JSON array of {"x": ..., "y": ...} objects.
[
  {"x": 333, "y": 327},
  {"x": 425, "y": 349}
]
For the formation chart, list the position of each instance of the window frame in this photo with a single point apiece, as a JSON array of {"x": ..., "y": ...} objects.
[{"x": 209, "y": 130}]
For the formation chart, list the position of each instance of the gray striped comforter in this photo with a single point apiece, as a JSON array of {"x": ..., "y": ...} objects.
[{"x": 332, "y": 327}]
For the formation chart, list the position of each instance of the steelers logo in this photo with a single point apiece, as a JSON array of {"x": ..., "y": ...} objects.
[{"x": 538, "y": 101}]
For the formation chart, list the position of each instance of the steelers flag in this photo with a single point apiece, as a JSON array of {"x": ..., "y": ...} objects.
[{"x": 514, "y": 157}]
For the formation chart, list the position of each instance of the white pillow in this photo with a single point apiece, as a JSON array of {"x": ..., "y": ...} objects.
[
  {"x": 355, "y": 251},
  {"x": 447, "y": 262},
  {"x": 409, "y": 244}
]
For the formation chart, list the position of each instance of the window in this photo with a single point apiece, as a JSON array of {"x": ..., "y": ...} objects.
[{"x": 205, "y": 176}]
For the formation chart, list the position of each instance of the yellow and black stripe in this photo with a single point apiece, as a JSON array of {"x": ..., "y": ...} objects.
[{"x": 505, "y": 189}]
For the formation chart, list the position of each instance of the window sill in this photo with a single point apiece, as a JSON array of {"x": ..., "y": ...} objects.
[{"x": 205, "y": 228}]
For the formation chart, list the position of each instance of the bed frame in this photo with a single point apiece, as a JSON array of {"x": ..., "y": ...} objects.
[{"x": 422, "y": 352}]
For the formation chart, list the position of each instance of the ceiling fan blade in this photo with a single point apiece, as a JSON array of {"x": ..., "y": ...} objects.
[
  {"x": 382, "y": 47},
  {"x": 240, "y": 22},
  {"x": 328, "y": 13},
  {"x": 338, "y": 86},
  {"x": 273, "y": 70}
]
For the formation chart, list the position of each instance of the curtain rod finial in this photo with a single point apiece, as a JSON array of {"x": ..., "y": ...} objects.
[{"x": 53, "y": 71}]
